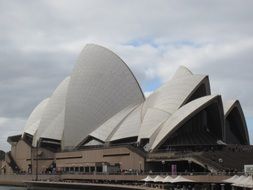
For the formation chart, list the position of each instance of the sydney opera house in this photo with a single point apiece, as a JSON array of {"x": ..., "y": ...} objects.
[{"x": 98, "y": 120}]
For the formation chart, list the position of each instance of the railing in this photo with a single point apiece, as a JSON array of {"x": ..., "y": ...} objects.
[
  {"x": 12, "y": 163},
  {"x": 56, "y": 176},
  {"x": 154, "y": 173},
  {"x": 209, "y": 162}
]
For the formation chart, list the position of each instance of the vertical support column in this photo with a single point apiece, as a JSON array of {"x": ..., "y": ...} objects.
[
  {"x": 212, "y": 186},
  {"x": 37, "y": 162},
  {"x": 31, "y": 159},
  {"x": 222, "y": 186}
]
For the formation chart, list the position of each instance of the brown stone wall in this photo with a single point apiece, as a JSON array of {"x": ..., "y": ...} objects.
[
  {"x": 24, "y": 155},
  {"x": 120, "y": 155},
  {"x": 45, "y": 159},
  {"x": 21, "y": 152},
  {"x": 1, "y": 165}
]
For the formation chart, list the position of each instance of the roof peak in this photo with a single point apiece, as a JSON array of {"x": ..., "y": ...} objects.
[{"x": 182, "y": 71}]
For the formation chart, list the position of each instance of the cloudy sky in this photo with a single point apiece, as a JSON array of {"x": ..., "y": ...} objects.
[{"x": 40, "y": 42}]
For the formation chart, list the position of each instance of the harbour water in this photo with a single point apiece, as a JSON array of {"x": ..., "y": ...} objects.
[{"x": 11, "y": 188}]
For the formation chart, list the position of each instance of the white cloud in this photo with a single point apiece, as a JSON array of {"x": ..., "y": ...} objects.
[
  {"x": 40, "y": 41},
  {"x": 147, "y": 93},
  {"x": 229, "y": 65},
  {"x": 9, "y": 127}
]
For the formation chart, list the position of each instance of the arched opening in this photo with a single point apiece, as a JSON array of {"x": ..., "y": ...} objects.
[
  {"x": 235, "y": 128},
  {"x": 204, "y": 128},
  {"x": 202, "y": 90}
]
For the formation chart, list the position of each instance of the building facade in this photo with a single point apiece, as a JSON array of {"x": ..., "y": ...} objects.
[{"x": 98, "y": 120}]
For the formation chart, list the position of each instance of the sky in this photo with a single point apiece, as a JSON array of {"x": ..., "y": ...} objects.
[{"x": 40, "y": 42}]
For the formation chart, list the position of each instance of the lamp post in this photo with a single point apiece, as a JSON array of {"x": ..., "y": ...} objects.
[
  {"x": 220, "y": 160},
  {"x": 190, "y": 165},
  {"x": 163, "y": 162},
  {"x": 120, "y": 167},
  {"x": 140, "y": 165},
  {"x": 37, "y": 164},
  {"x": 32, "y": 159}
]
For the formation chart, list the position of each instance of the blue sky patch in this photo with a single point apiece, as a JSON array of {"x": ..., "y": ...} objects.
[
  {"x": 149, "y": 86},
  {"x": 141, "y": 42},
  {"x": 249, "y": 121}
]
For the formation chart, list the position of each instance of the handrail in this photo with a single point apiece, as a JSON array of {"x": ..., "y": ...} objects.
[{"x": 12, "y": 163}]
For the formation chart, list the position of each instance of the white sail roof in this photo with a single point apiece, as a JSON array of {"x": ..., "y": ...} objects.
[
  {"x": 152, "y": 120},
  {"x": 181, "y": 116},
  {"x": 101, "y": 85},
  {"x": 182, "y": 71},
  {"x": 129, "y": 127},
  {"x": 52, "y": 120},
  {"x": 228, "y": 107},
  {"x": 106, "y": 129},
  {"x": 175, "y": 93},
  {"x": 102, "y": 102},
  {"x": 33, "y": 121}
]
